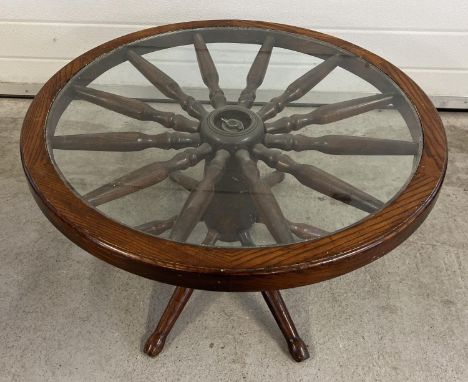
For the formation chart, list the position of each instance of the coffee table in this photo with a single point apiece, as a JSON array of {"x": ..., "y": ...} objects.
[{"x": 133, "y": 160}]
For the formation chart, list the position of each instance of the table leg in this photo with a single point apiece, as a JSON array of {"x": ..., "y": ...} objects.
[
  {"x": 297, "y": 347},
  {"x": 155, "y": 342}
]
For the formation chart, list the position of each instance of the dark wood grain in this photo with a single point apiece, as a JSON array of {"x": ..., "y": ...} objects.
[
  {"x": 146, "y": 176},
  {"x": 318, "y": 180},
  {"x": 296, "y": 345},
  {"x": 341, "y": 144},
  {"x": 238, "y": 269},
  {"x": 257, "y": 73},
  {"x": 200, "y": 197},
  {"x": 155, "y": 343},
  {"x": 125, "y": 141},
  {"x": 330, "y": 113},
  {"x": 265, "y": 201},
  {"x": 135, "y": 109},
  {"x": 166, "y": 85},
  {"x": 208, "y": 71},
  {"x": 299, "y": 87}
]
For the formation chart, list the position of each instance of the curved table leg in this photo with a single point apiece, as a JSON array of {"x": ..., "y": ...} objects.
[
  {"x": 179, "y": 299},
  {"x": 297, "y": 347},
  {"x": 155, "y": 342}
]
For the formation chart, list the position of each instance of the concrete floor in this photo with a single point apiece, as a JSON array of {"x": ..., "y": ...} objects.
[{"x": 66, "y": 316}]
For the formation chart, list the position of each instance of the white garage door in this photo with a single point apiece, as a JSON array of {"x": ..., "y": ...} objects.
[{"x": 428, "y": 40}]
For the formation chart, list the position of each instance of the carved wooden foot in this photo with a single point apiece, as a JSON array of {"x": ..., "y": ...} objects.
[
  {"x": 297, "y": 347},
  {"x": 155, "y": 342}
]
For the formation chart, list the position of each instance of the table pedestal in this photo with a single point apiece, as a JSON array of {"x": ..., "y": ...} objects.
[{"x": 275, "y": 302}]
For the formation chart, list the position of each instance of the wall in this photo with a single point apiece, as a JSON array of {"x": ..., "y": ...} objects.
[{"x": 428, "y": 40}]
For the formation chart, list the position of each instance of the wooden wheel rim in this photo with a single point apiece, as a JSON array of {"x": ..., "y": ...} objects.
[{"x": 233, "y": 269}]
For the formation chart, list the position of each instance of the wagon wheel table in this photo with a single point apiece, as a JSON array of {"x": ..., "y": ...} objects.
[{"x": 133, "y": 159}]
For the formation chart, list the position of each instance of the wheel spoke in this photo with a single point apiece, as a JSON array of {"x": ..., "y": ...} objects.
[
  {"x": 208, "y": 71},
  {"x": 147, "y": 175},
  {"x": 330, "y": 113},
  {"x": 157, "y": 227},
  {"x": 166, "y": 85},
  {"x": 125, "y": 141},
  {"x": 306, "y": 231},
  {"x": 299, "y": 87},
  {"x": 134, "y": 108},
  {"x": 257, "y": 73},
  {"x": 318, "y": 180},
  {"x": 200, "y": 198},
  {"x": 273, "y": 178},
  {"x": 341, "y": 144},
  {"x": 246, "y": 239},
  {"x": 183, "y": 180},
  {"x": 211, "y": 237},
  {"x": 267, "y": 206}
]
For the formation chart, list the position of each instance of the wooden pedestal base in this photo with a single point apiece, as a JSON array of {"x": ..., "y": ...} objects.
[{"x": 155, "y": 342}]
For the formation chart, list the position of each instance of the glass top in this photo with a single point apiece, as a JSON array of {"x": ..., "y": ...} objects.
[{"x": 234, "y": 137}]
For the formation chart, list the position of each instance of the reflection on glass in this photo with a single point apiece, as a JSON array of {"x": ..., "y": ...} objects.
[{"x": 234, "y": 137}]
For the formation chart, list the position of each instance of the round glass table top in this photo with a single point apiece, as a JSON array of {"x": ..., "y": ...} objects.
[{"x": 234, "y": 137}]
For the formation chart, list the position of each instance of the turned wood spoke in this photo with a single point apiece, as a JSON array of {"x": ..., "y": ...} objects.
[
  {"x": 318, "y": 180},
  {"x": 211, "y": 237},
  {"x": 136, "y": 109},
  {"x": 257, "y": 73},
  {"x": 273, "y": 178},
  {"x": 341, "y": 144},
  {"x": 245, "y": 239},
  {"x": 147, "y": 175},
  {"x": 125, "y": 141},
  {"x": 267, "y": 206},
  {"x": 200, "y": 198},
  {"x": 299, "y": 87},
  {"x": 330, "y": 113},
  {"x": 166, "y": 85},
  {"x": 183, "y": 180},
  {"x": 306, "y": 231},
  {"x": 157, "y": 227},
  {"x": 208, "y": 71}
]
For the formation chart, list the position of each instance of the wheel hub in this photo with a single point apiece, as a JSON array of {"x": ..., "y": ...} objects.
[{"x": 232, "y": 127}]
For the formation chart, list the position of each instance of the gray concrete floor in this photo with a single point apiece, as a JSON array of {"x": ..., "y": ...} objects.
[{"x": 66, "y": 316}]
